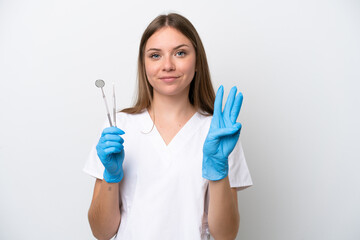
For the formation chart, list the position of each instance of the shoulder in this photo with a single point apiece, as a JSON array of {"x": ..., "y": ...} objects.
[
  {"x": 130, "y": 120},
  {"x": 203, "y": 121},
  {"x": 123, "y": 116},
  {"x": 204, "y": 117}
]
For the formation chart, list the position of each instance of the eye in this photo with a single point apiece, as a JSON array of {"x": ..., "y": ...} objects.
[
  {"x": 180, "y": 53},
  {"x": 155, "y": 56}
]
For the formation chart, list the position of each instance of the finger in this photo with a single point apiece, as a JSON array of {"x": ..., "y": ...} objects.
[
  {"x": 237, "y": 126},
  {"x": 229, "y": 103},
  {"x": 112, "y": 130},
  {"x": 236, "y": 108},
  {"x": 112, "y": 144},
  {"x": 112, "y": 137},
  {"x": 223, "y": 132},
  {"x": 112, "y": 150},
  {"x": 104, "y": 145},
  {"x": 218, "y": 101}
]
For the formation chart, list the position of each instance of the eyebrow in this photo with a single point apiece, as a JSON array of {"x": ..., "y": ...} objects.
[{"x": 158, "y": 49}]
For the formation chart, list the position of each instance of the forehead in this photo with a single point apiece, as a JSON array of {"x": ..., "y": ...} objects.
[{"x": 167, "y": 37}]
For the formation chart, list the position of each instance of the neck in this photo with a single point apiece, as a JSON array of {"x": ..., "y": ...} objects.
[{"x": 171, "y": 107}]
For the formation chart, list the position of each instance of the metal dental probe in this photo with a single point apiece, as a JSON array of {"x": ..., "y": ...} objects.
[{"x": 100, "y": 84}]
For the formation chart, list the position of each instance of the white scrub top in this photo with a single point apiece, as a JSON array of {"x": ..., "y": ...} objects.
[{"x": 163, "y": 194}]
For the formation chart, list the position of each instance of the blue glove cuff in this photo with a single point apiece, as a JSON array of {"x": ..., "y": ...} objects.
[
  {"x": 214, "y": 169},
  {"x": 112, "y": 179}
]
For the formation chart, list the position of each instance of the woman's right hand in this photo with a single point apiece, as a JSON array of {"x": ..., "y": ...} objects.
[{"x": 110, "y": 150}]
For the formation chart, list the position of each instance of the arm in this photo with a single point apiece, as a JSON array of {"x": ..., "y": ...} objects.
[
  {"x": 223, "y": 216},
  {"x": 104, "y": 212}
]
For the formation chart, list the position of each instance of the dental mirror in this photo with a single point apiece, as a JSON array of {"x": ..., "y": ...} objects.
[{"x": 100, "y": 84}]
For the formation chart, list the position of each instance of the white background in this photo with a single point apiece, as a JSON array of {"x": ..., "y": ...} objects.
[{"x": 296, "y": 62}]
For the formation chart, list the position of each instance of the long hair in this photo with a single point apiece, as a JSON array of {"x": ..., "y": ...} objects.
[{"x": 201, "y": 93}]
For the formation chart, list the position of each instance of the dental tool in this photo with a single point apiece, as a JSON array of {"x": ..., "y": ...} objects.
[
  {"x": 114, "y": 105},
  {"x": 100, "y": 84}
]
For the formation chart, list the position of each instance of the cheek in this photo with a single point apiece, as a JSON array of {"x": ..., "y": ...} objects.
[
  {"x": 189, "y": 67},
  {"x": 149, "y": 70}
]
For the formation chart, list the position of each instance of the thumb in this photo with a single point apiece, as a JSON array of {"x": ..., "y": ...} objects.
[{"x": 223, "y": 132}]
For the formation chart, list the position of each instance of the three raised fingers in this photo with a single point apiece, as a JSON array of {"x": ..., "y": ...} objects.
[{"x": 232, "y": 105}]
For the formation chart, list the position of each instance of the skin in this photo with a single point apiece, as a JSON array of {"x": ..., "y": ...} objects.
[
  {"x": 104, "y": 213},
  {"x": 170, "y": 67},
  {"x": 169, "y": 63}
]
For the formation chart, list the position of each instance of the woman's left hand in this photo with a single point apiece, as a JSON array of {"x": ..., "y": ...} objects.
[{"x": 223, "y": 135}]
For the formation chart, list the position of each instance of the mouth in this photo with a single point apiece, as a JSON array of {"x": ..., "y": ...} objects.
[{"x": 168, "y": 79}]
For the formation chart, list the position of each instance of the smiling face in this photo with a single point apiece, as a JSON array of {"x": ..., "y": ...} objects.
[{"x": 170, "y": 60}]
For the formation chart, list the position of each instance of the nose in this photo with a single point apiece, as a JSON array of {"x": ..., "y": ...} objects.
[{"x": 168, "y": 64}]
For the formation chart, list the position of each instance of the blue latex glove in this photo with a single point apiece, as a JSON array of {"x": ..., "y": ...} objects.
[
  {"x": 110, "y": 150},
  {"x": 222, "y": 137}
]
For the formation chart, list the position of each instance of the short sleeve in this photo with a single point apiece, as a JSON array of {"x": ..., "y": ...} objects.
[
  {"x": 93, "y": 165},
  {"x": 239, "y": 175}
]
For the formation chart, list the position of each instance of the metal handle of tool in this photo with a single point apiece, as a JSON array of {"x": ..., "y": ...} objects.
[{"x": 107, "y": 108}]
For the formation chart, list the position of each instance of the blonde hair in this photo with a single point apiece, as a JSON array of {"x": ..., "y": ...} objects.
[{"x": 201, "y": 93}]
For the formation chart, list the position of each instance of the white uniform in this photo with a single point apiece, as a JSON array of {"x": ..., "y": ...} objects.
[{"x": 163, "y": 194}]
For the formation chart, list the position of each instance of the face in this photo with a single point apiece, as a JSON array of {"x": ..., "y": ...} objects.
[{"x": 170, "y": 60}]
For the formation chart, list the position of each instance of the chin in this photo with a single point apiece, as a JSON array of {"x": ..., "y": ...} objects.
[{"x": 172, "y": 90}]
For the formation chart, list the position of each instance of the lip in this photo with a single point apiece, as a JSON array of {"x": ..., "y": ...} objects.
[{"x": 168, "y": 79}]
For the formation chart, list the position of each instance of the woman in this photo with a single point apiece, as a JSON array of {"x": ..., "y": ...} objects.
[{"x": 171, "y": 170}]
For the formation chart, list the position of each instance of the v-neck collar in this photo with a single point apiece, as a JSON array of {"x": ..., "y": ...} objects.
[{"x": 178, "y": 141}]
